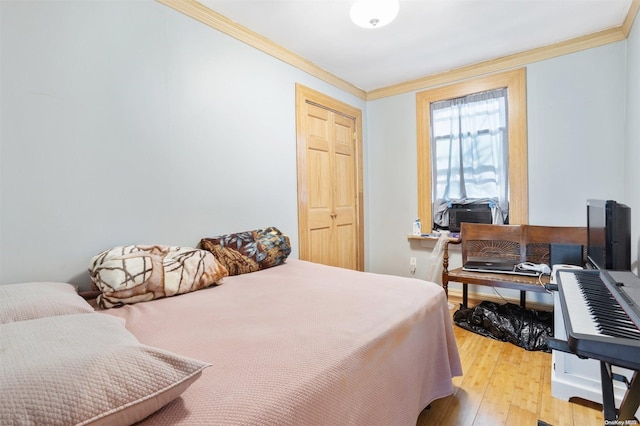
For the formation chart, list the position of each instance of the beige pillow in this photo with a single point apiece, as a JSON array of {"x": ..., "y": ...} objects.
[
  {"x": 131, "y": 274},
  {"x": 85, "y": 369},
  {"x": 19, "y": 302}
]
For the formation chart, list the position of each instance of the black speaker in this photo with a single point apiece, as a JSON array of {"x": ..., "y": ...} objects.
[{"x": 565, "y": 254}]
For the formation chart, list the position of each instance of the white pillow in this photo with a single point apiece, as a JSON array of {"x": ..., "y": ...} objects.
[
  {"x": 85, "y": 369},
  {"x": 19, "y": 302}
]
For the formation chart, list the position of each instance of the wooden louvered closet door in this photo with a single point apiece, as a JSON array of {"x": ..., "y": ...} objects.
[{"x": 329, "y": 181}]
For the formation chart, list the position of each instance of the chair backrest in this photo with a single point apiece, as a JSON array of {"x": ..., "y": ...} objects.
[
  {"x": 483, "y": 241},
  {"x": 531, "y": 243},
  {"x": 539, "y": 238}
]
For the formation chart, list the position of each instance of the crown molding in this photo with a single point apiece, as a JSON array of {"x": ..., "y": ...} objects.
[
  {"x": 201, "y": 13},
  {"x": 501, "y": 64},
  {"x": 631, "y": 16}
]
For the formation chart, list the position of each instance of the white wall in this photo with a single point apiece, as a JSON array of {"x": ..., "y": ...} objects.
[
  {"x": 576, "y": 151},
  {"x": 127, "y": 122},
  {"x": 576, "y": 133},
  {"x": 392, "y": 193},
  {"x": 632, "y": 146}
]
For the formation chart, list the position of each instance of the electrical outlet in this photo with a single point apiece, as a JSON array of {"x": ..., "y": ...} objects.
[{"x": 412, "y": 265}]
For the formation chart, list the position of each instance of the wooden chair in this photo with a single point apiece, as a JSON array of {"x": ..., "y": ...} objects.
[{"x": 514, "y": 242}]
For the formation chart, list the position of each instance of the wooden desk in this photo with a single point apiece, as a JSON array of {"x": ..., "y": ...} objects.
[{"x": 522, "y": 243}]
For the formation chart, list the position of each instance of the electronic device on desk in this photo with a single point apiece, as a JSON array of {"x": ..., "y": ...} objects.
[
  {"x": 564, "y": 256},
  {"x": 470, "y": 213},
  {"x": 539, "y": 268},
  {"x": 608, "y": 235},
  {"x": 561, "y": 267},
  {"x": 506, "y": 266}
]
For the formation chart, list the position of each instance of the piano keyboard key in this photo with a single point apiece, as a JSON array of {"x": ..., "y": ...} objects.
[{"x": 594, "y": 310}]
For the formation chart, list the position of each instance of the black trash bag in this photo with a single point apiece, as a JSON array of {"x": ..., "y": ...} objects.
[{"x": 527, "y": 328}]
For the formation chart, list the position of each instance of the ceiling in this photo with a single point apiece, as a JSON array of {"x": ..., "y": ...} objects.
[{"x": 428, "y": 37}]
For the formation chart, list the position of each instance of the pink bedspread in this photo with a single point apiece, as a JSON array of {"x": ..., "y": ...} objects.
[{"x": 305, "y": 344}]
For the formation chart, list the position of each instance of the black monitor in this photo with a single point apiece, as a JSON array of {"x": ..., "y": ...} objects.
[{"x": 608, "y": 235}]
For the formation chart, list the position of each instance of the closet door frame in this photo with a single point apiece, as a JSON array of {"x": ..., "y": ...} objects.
[{"x": 306, "y": 96}]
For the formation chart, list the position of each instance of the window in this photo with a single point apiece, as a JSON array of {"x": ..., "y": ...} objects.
[
  {"x": 452, "y": 165},
  {"x": 469, "y": 152}
]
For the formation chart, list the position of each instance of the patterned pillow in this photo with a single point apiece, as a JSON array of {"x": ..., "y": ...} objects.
[
  {"x": 249, "y": 251},
  {"x": 131, "y": 274},
  {"x": 85, "y": 369},
  {"x": 20, "y": 302}
]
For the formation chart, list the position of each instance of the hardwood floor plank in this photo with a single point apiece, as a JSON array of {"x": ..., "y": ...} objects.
[
  {"x": 497, "y": 399},
  {"x": 587, "y": 413},
  {"x": 531, "y": 380},
  {"x": 519, "y": 416},
  {"x": 552, "y": 410}
]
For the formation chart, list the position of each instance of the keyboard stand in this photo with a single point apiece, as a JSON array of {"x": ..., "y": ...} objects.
[{"x": 631, "y": 400}]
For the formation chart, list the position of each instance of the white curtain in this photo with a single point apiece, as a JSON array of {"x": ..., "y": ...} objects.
[{"x": 470, "y": 152}]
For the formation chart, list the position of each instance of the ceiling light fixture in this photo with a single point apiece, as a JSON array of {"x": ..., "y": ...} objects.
[{"x": 374, "y": 13}]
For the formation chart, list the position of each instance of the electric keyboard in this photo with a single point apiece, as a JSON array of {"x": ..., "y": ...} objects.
[{"x": 601, "y": 316}]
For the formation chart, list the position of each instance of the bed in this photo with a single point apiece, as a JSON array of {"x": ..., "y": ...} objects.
[
  {"x": 304, "y": 343},
  {"x": 301, "y": 343}
]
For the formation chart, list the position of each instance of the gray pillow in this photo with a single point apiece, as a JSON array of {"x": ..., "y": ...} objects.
[{"x": 20, "y": 302}]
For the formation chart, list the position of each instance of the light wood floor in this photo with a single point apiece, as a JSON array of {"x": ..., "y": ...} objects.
[{"x": 504, "y": 384}]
